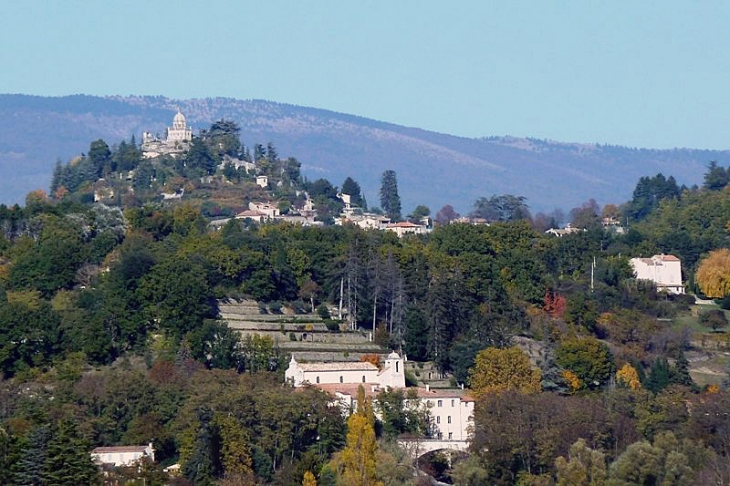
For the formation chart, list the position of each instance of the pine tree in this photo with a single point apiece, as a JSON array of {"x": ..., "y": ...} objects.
[
  {"x": 659, "y": 376},
  {"x": 389, "y": 198},
  {"x": 681, "y": 374},
  {"x": 68, "y": 461},
  {"x": 30, "y": 469}
]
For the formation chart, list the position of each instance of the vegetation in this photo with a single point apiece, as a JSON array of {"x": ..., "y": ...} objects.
[{"x": 110, "y": 332}]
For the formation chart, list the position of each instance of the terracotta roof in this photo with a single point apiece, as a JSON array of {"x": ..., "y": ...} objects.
[
  {"x": 119, "y": 449},
  {"x": 445, "y": 393},
  {"x": 351, "y": 389},
  {"x": 340, "y": 366},
  {"x": 249, "y": 214},
  {"x": 667, "y": 258},
  {"x": 404, "y": 224}
]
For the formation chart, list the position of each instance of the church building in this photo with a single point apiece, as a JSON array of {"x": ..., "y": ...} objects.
[{"x": 177, "y": 139}]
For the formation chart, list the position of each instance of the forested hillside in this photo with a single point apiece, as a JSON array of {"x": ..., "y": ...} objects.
[
  {"x": 110, "y": 331},
  {"x": 434, "y": 169}
]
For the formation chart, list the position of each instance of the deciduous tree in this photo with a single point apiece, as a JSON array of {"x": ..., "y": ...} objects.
[
  {"x": 497, "y": 370},
  {"x": 713, "y": 274}
]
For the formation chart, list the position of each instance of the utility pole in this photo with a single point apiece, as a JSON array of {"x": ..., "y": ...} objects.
[{"x": 593, "y": 267}]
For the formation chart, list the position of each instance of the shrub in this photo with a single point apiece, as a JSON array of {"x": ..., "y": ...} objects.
[
  {"x": 714, "y": 318},
  {"x": 332, "y": 326},
  {"x": 323, "y": 311},
  {"x": 275, "y": 307}
]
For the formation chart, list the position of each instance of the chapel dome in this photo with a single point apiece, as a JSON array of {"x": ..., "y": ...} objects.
[
  {"x": 179, "y": 118},
  {"x": 393, "y": 355}
]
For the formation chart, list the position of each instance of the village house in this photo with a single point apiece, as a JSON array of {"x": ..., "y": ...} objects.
[
  {"x": 451, "y": 410},
  {"x": 560, "y": 232},
  {"x": 664, "y": 270},
  {"x": 270, "y": 210},
  {"x": 122, "y": 455},
  {"x": 407, "y": 228}
]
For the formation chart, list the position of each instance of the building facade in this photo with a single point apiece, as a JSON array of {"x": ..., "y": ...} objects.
[
  {"x": 177, "y": 139},
  {"x": 664, "y": 270},
  {"x": 122, "y": 455},
  {"x": 451, "y": 410}
]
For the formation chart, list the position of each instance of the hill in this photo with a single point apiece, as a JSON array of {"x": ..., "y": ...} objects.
[{"x": 433, "y": 168}]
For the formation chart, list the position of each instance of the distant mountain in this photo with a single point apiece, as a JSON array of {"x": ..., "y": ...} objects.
[{"x": 432, "y": 168}]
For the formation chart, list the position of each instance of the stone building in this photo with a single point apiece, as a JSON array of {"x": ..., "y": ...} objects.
[{"x": 177, "y": 139}]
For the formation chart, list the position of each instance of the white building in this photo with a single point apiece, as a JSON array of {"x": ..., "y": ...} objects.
[
  {"x": 451, "y": 410},
  {"x": 177, "y": 139},
  {"x": 392, "y": 375},
  {"x": 407, "y": 228},
  {"x": 179, "y": 131},
  {"x": 664, "y": 270},
  {"x": 122, "y": 455}
]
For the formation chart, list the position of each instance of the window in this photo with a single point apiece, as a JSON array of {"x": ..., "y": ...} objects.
[
  {"x": 438, "y": 420},
  {"x": 439, "y": 403},
  {"x": 452, "y": 402},
  {"x": 440, "y": 436},
  {"x": 451, "y": 435},
  {"x": 363, "y": 378},
  {"x": 341, "y": 380},
  {"x": 318, "y": 379},
  {"x": 448, "y": 419},
  {"x": 396, "y": 367}
]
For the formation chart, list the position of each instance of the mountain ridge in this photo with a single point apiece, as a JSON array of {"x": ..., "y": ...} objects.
[{"x": 433, "y": 168}]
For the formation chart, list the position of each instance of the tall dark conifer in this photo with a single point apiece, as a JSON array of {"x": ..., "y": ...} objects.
[{"x": 389, "y": 198}]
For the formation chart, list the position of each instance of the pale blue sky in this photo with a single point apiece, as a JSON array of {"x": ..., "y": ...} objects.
[{"x": 638, "y": 73}]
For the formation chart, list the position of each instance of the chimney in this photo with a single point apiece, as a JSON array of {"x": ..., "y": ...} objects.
[{"x": 428, "y": 387}]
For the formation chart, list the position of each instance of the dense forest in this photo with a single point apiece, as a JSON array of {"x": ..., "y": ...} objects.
[{"x": 110, "y": 331}]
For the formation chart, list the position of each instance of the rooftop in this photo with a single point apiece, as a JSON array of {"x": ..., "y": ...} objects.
[
  {"x": 119, "y": 449},
  {"x": 340, "y": 366}
]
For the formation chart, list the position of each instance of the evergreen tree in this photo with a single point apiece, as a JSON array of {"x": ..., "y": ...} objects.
[
  {"x": 31, "y": 468},
  {"x": 389, "y": 198},
  {"x": 353, "y": 189},
  {"x": 203, "y": 465},
  {"x": 68, "y": 461},
  {"x": 681, "y": 374},
  {"x": 660, "y": 376},
  {"x": 716, "y": 177}
]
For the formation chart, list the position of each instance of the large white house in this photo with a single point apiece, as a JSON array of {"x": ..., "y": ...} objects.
[
  {"x": 664, "y": 270},
  {"x": 451, "y": 410},
  {"x": 122, "y": 455}
]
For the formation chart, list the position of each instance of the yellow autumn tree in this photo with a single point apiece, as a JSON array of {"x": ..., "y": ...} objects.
[
  {"x": 235, "y": 450},
  {"x": 572, "y": 380},
  {"x": 309, "y": 479},
  {"x": 497, "y": 370},
  {"x": 356, "y": 463},
  {"x": 628, "y": 377},
  {"x": 713, "y": 274}
]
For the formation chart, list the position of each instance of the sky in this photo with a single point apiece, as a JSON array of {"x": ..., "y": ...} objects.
[{"x": 652, "y": 74}]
